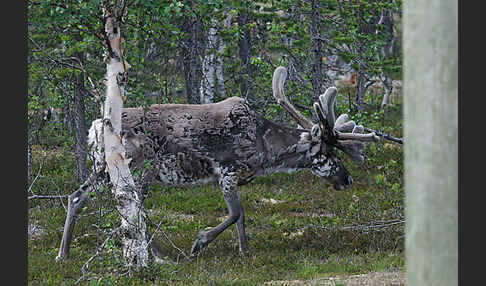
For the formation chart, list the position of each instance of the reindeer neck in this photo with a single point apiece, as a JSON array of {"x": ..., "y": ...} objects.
[{"x": 283, "y": 148}]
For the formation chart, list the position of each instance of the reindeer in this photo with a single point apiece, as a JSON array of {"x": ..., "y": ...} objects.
[{"x": 229, "y": 143}]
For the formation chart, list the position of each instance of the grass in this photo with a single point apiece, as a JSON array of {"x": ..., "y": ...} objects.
[{"x": 308, "y": 231}]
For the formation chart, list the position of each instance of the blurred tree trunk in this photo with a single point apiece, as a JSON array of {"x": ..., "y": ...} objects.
[
  {"x": 431, "y": 141},
  {"x": 80, "y": 124}
]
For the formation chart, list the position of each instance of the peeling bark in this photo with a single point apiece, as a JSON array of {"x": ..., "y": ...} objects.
[{"x": 130, "y": 207}]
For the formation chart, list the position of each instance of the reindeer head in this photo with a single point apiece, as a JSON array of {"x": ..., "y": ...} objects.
[{"x": 327, "y": 135}]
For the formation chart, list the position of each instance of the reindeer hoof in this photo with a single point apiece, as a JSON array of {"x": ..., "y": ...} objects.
[
  {"x": 200, "y": 242},
  {"x": 245, "y": 251},
  {"x": 61, "y": 258}
]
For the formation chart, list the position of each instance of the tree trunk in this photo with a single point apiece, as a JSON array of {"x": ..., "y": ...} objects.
[
  {"x": 431, "y": 141},
  {"x": 387, "y": 50},
  {"x": 360, "y": 89},
  {"x": 317, "y": 73},
  {"x": 364, "y": 29},
  {"x": 80, "y": 125},
  {"x": 221, "y": 44},
  {"x": 190, "y": 47},
  {"x": 29, "y": 159},
  {"x": 208, "y": 67},
  {"x": 244, "y": 53},
  {"x": 212, "y": 81},
  {"x": 388, "y": 84},
  {"x": 130, "y": 205},
  {"x": 68, "y": 121}
]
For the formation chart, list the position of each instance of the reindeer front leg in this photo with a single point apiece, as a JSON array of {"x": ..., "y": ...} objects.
[{"x": 229, "y": 187}]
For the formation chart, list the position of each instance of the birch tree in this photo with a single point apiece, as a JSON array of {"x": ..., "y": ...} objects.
[
  {"x": 208, "y": 66},
  {"x": 221, "y": 45},
  {"x": 133, "y": 227},
  {"x": 212, "y": 80}
]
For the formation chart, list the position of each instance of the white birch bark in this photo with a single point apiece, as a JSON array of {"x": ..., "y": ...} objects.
[
  {"x": 208, "y": 67},
  {"x": 133, "y": 228},
  {"x": 220, "y": 86},
  {"x": 213, "y": 80},
  {"x": 388, "y": 85},
  {"x": 431, "y": 141}
]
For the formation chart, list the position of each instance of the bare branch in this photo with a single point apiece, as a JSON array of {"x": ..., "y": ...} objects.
[
  {"x": 385, "y": 135},
  {"x": 47, "y": 197},
  {"x": 37, "y": 176},
  {"x": 100, "y": 249}
]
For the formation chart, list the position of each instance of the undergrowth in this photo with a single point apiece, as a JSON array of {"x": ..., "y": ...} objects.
[{"x": 298, "y": 226}]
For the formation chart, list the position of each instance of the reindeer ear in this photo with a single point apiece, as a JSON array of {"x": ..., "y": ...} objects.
[{"x": 316, "y": 132}]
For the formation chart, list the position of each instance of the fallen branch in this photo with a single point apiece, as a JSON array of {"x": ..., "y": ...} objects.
[
  {"x": 365, "y": 228},
  {"x": 47, "y": 197},
  {"x": 386, "y": 136}
]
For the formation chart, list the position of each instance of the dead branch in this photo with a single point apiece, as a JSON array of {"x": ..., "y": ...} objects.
[
  {"x": 47, "y": 197},
  {"x": 385, "y": 135},
  {"x": 99, "y": 250}
]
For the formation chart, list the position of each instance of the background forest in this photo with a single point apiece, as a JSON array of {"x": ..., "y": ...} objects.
[{"x": 201, "y": 52}]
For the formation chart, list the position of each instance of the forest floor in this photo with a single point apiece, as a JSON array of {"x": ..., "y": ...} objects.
[
  {"x": 391, "y": 278},
  {"x": 300, "y": 230}
]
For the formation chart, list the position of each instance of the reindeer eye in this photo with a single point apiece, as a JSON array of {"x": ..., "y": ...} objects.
[{"x": 316, "y": 131}]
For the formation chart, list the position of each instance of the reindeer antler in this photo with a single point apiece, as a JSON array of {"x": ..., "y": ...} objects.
[
  {"x": 279, "y": 76},
  {"x": 351, "y": 143},
  {"x": 333, "y": 130}
]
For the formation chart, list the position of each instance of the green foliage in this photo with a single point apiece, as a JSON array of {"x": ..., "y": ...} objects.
[
  {"x": 304, "y": 234},
  {"x": 67, "y": 29}
]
